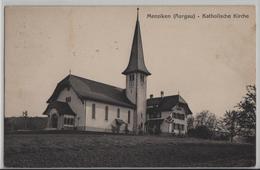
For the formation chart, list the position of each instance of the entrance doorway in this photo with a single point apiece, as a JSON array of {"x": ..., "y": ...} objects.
[{"x": 54, "y": 121}]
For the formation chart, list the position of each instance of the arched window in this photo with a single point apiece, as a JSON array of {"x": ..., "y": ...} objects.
[
  {"x": 142, "y": 77},
  {"x": 106, "y": 113},
  {"x": 129, "y": 116},
  {"x": 131, "y": 79},
  {"x": 118, "y": 113},
  {"x": 93, "y": 111}
]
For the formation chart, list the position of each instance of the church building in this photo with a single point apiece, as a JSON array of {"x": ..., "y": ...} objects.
[{"x": 82, "y": 104}]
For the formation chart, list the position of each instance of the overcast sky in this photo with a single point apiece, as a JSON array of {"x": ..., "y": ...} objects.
[{"x": 209, "y": 61}]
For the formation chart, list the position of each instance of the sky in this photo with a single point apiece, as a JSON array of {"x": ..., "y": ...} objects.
[{"x": 209, "y": 61}]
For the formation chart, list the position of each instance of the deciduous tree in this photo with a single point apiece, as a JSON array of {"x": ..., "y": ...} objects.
[
  {"x": 206, "y": 118},
  {"x": 190, "y": 122},
  {"x": 247, "y": 112},
  {"x": 230, "y": 121}
]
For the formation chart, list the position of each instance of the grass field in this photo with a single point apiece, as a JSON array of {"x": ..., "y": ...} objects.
[{"x": 96, "y": 150}]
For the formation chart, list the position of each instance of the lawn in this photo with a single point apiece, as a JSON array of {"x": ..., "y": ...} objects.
[{"x": 103, "y": 150}]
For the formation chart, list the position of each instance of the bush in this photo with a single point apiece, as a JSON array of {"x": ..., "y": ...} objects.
[
  {"x": 251, "y": 139},
  {"x": 200, "y": 132},
  {"x": 20, "y": 123},
  {"x": 221, "y": 137}
]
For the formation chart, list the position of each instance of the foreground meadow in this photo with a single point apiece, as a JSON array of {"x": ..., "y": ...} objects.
[{"x": 103, "y": 150}]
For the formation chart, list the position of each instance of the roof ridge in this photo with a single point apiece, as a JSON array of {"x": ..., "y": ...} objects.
[
  {"x": 163, "y": 97},
  {"x": 91, "y": 89},
  {"x": 57, "y": 101},
  {"x": 97, "y": 82}
]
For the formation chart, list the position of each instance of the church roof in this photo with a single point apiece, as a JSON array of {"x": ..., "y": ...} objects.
[
  {"x": 167, "y": 103},
  {"x": 136, "y": 61},
  {"x": 61, "y": 107},
  {"x": 91, "y": 90}
]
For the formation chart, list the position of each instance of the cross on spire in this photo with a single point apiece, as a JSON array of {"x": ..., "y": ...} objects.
[{"x": 137, "y": 13}]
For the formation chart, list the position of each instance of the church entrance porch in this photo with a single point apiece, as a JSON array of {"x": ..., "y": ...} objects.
[{"x": 60, "y": 116}]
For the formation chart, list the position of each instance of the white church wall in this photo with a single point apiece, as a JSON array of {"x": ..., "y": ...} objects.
[
  {"x": 76, "y": 105},
  {"x": 99, "y": 123}
]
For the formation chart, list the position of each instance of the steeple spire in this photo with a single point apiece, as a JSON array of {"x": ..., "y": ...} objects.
[
  {"x": 136, "y": 61},
  {"x": 138, "y": 14}
]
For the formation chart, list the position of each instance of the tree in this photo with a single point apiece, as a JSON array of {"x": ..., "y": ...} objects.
[
  {"x": 190, "y": 123},
  {"x": 206, "y": 118},
  {"x": 230, "y": 121},
  {"x": 221, "y": 132},
  {"x": 205, "y": 124},
  {"x": 247, "y": 112}
]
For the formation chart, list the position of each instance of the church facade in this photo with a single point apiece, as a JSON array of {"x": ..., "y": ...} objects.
[{"x": 83, "y": 104}]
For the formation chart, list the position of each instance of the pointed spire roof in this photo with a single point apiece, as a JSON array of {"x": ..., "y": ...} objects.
[{"x": 136, "y": 61}]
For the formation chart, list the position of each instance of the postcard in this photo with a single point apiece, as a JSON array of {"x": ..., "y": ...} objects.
[{"x": 129, "y": 86}]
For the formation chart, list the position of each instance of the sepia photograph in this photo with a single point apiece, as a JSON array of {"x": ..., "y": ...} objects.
[{"x": 129, "y": 86}]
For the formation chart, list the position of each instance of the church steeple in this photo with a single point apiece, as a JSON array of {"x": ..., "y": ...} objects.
[
  {"x": 136, "y": 80},
  {"x": 136, "y": 61}
]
